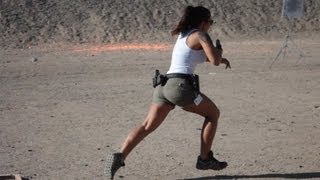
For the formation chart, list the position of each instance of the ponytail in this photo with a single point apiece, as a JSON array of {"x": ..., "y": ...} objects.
[
  {"x": 191, "y": 18},
  {"x": 184, "y": 21}
]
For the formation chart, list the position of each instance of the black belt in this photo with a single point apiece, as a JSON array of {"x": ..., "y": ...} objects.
[
  {"x": 192, "y": 78},
  {"x": 179, "y": 75}
]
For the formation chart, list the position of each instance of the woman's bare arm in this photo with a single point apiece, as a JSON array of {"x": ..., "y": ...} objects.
[{"x": 214, "y": 55}]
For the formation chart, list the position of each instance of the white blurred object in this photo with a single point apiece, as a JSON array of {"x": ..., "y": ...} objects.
[{"x": 292, "y": 8}]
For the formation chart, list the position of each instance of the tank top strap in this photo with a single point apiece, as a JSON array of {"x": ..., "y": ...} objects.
[
  {"x": 192, "y": 31},
  {"x": 186, "y": 34}
]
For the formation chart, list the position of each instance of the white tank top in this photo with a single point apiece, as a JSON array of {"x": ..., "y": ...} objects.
[{"x": 184, "y": 59}]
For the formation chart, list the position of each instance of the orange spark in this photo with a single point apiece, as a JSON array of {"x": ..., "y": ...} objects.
[{"x": 118, "y": 47}]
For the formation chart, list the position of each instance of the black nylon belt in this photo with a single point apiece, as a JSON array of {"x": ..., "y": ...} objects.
[{"x": 178, "y": 75}]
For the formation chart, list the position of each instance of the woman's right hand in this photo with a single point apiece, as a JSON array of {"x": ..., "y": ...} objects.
[
  {"x": 220, "y": 51},
  {"x": 226, "y": 62}
]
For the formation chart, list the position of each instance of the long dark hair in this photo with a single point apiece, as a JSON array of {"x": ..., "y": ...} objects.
[{"x": 191, "y": 18}]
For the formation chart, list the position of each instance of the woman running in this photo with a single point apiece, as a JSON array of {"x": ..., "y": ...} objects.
[{"x": 180, "y": 86}]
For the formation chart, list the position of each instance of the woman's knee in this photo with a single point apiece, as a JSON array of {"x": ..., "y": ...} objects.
[
  {"x": 147, "y": 128},
  {"x": 142, "y": 131},
  {"x": 214, "y": 114},
  {"x": 217, "y": 113}
]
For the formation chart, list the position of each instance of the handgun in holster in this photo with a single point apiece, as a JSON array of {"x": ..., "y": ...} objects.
[{"x": 158, "y": 79}]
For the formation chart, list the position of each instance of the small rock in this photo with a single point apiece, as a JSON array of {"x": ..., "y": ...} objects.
[
  {"x": 272, "y": 119},
  {"x": 199, "y": 129},
  {"x": 30, "y": 150},
  {"x": 316, "y": 106},
  {"x": 34, "y": 59},
  {"x": 98, "y": 149},
  {"x": 86, "y": 165},
  {"x": 223, "y": 134},
  {"x": 300, "y": 166}
]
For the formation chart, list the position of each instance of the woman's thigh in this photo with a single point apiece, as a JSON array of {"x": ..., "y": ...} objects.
[
  {"x": 206, "y": 108},
  {"x": 157, "y": 113}
]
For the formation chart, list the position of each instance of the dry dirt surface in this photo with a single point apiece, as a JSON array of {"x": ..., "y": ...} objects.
[
  {"x": 63, "y": 111},
  {"x": 75, "y": 78}
]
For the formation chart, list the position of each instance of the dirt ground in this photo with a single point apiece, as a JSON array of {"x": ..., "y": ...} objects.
[
  {"x": 62, "y": 111},
  {"x": 70, "y": 93}
]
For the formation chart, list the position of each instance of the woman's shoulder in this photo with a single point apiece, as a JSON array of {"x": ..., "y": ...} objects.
[
  {"x": 199, "y": 33},
  {"x": 204, "y": 36},
  {"x": 189, "y": 32}
]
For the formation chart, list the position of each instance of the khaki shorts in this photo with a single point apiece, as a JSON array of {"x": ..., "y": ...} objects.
[{"x": 177, "y": 91}]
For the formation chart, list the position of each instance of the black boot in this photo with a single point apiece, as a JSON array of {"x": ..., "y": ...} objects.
[
  {"x": 210, "y": 163},
  {"x": 114, "y": 162}
]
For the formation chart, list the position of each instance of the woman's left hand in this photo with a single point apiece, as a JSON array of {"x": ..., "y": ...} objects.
[{"x": 226, "y": 62}]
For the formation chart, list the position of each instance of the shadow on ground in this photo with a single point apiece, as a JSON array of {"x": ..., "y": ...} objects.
[{"x": 306, "y": 175}]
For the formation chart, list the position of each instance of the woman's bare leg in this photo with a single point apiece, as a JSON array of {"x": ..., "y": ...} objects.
[
  {"x": 157, "y": 113},
  {"x": 211, "y": 113}
]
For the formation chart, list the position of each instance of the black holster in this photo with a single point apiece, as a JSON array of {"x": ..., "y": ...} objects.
[
  {"x": 159, "y": 79},
  {"x": 196, "y": 82}
]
